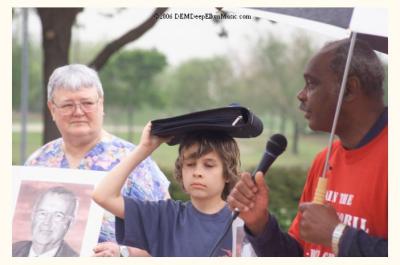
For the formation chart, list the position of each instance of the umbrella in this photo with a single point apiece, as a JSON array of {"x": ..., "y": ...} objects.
[{"x": 369, "y": 24}]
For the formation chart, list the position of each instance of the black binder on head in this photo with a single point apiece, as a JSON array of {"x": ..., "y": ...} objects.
[{"x": 236, "y": 121}]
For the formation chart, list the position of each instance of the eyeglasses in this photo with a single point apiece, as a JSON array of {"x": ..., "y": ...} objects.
[
  {"x": 86, "y": 106},
  {"x": 56, "y": 216}
]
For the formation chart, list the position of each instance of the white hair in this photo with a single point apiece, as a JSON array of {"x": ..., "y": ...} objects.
[{"x": 73, "y": 77}]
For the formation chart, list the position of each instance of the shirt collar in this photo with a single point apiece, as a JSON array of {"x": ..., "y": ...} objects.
[
  {"x": 50, "y": 253},
  {"x": 378, "y": 126}
]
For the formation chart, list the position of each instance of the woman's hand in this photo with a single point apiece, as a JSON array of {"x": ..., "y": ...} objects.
[
  {"x": 111, "y": 249},
  {"x": 106, "y": 249}
]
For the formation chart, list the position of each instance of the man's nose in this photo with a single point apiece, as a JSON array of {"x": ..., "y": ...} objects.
[{"x": 301, "y": 95}]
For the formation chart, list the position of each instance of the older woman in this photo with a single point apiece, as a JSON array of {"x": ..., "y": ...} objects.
[{"x": 75, "y": 100}]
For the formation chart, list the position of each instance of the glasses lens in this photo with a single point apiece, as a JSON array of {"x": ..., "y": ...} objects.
[
  {"x": 86, "y": 106},
  {"x": 67, "y": 108}
]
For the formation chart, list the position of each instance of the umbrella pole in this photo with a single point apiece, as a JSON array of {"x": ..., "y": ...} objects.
[{"x": 319, "y": 195}]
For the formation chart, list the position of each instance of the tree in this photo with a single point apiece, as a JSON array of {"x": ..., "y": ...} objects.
[
  {"x": 56, "y": 40},
  {"x": 199, "y": 83},
  {"x": 277, "y": 69},
  {"x": 128, "y": 80},
  {"x": 300, "y": 52}
]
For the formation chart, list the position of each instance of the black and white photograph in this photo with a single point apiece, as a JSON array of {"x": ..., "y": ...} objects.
[{"x": 53, "y": 218}]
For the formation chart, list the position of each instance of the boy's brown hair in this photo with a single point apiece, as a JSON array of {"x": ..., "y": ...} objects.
[{"x": 224, "y": 145}]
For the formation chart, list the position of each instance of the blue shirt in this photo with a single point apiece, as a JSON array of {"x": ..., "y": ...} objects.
[{"x": 173, "y": 229}]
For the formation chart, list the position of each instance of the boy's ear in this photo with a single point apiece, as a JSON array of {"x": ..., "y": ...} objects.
[
  {"x": 353, "y": 89},
  {"x": 226, "y": 179}
]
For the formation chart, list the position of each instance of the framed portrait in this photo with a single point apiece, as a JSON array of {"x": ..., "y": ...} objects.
[{"x": 53, "y": 212}]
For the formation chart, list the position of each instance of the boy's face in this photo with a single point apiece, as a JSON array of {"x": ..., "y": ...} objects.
[{"x": 202, "y": 177}]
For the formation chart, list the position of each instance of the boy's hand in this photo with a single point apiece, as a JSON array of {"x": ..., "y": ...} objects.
[
  {"x": 149, "y": 141},
  {"x": 252, "y": 201}
]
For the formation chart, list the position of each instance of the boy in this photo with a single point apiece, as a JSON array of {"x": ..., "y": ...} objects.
[{"x": 207, "y": 168}]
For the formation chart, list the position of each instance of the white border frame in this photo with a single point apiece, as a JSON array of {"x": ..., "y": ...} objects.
[{"x": 60, "y": 175}]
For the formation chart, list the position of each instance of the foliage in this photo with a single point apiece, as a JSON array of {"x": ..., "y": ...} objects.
[
  {"x": 127, "y": 78},
  {"x": 198, "y": 84},
  {"x": 278, "y": 68},
  {"x": 128, "y": 81},
  {"x": 267, "y": 84},
  {"x": 286, "y": 185}
]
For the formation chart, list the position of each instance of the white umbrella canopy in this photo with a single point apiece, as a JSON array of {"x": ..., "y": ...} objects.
[{"x": 369, "y": 24}]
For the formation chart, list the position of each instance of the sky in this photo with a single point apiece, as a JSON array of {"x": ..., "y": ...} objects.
[{"x": 179, "y": 38}]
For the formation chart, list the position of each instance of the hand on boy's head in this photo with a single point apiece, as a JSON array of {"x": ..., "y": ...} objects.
[{"x": 151, "y": 141}]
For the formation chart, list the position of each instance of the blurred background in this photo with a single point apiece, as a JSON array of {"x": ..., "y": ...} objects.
[{"x": 171, "y": 63}]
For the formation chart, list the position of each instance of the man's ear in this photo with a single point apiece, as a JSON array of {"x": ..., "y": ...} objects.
[{"x": 353, "y": 89}]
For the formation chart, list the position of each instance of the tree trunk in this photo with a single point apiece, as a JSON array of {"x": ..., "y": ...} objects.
[
  {"x": 56, "y": 38},
  {"x": 128, "y": 37},
  {"x": 296, "y": 133}
]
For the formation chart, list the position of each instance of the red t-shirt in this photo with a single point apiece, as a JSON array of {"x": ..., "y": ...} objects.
[{"x": 357, "y": 188}]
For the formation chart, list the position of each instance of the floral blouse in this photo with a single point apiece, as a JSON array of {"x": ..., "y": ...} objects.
[{"x": 146, "y": 181}]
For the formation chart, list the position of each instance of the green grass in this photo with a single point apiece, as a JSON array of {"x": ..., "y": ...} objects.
[{"x": 34, "y": 142}]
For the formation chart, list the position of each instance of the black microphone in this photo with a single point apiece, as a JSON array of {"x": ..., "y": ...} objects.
[{"x": 276, "y": 145}]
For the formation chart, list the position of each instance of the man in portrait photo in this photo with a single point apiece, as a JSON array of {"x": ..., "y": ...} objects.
[{"x": 52, "y": 216}]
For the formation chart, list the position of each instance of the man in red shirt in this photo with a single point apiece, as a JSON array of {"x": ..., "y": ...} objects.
[{"x": 353, "y": 220}]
